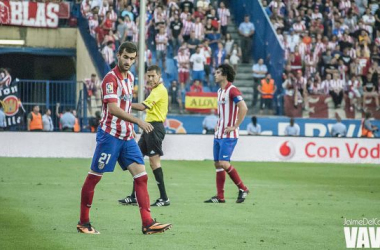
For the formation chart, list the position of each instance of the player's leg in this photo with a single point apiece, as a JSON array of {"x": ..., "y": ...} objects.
[
  {"x": 104, "y": 160},
  {"x": 220, "y": 176},
  {"x": 87, "y": 195},
  {"x": 131, "y": 199},
  {"x": 132, "y": 159},
  {"x": 227, "y": 148}
]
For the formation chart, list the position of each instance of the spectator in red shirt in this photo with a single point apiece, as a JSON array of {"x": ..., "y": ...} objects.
[{"x": 196, "y": 87}]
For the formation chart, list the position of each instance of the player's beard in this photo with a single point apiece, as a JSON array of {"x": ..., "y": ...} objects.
[{"x": 124, "y": 67}]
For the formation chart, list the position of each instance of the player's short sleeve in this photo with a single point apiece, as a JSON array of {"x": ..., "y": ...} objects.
[
  {"x": 235, "y": 95},
  {"x": 109, "y": 89},
  {"x": 154, "y": 97}
]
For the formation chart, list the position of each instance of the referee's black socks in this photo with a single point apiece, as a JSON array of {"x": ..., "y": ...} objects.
[
  {"x": 159, "y": 175},
  {"x": 133, "y": 195}
]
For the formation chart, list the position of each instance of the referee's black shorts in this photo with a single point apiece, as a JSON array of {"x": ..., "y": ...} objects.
[{"x": 151, "y": 143}]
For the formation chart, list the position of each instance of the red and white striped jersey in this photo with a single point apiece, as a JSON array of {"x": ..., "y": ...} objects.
[
  {"x": 336, "y": 84},
  {"x": 183, "y": 60},
  {"x": 93, "y": 23},
  {"x": 320, "y": 48},
  {"x": 325, "y": 85},
  {"x": 223, "y": 14},
  {"x": 102, "y": 10},
  {"x": 299, "y": 27},
  {"x": 188, "y": 26},
  {"x": 5, "y": 79},
  {"x": 85, "y": 8},
  {"x": 228, "y": 99},
  {"x": 117, "y": 90},
  {"x": 184, "y": 15},
  {"x": 304, "y": 49},
  {"x": 161, "y": 41},
  {"x": 354, "y": 85},
  {"x": 310, "y": 65},
  {"x": 199, "y": 31},
  {"x": 345, "y": 5},
  {"x": 301, "y": 82}
]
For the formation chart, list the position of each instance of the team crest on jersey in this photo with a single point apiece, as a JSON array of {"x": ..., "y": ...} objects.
[
  {"x": 109, "y": 88},
  {"x": 101, "y": 165}
]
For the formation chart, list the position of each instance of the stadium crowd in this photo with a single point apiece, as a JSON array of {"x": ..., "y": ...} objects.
[
  {"x": 331, "y": 48},
  {"x": 193, "y": 33}
]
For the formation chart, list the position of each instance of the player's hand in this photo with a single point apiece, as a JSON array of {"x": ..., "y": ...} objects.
[
  {"x": 229, "y": 129},
  {"x": 134, "y": 134},
  {"x": 147, "y": 127}
]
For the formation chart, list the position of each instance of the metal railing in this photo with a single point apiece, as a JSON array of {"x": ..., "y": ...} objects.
[{"x": 47, "y": 94}]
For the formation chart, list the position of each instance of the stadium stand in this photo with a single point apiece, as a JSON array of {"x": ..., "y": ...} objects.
[{"x": 331, "y": 52}]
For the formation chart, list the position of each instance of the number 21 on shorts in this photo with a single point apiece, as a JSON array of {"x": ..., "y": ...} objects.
[{"x": 103, "y": 160}]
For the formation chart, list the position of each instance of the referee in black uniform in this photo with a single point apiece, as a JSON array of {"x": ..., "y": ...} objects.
[{"x": 156, "y": 106}]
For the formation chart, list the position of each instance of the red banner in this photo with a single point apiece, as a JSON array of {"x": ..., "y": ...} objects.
[{"x": 32, "y": 14}]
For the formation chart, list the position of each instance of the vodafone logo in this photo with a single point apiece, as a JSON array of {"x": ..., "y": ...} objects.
[{"x": 285, "y": 150}]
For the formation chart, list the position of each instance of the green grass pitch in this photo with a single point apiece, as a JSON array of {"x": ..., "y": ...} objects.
[{"x": 291, "y": 206}]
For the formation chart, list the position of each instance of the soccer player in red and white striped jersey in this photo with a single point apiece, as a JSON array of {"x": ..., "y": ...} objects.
[
  {"x": 115, "y": 142},
  {"x": 231, "y": 112}
]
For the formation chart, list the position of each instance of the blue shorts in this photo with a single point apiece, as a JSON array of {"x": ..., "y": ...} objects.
[
  {"x": 198, "y": 75},
  {"x": 109, "y": 149},
  {"x": 223, "y": 148}
]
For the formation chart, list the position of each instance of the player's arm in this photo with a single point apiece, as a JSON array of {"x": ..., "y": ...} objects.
[
  {"x": 241, "y": 113},
  {"x": 119, "y": 113},
  {"x": 240, "y": 116}
]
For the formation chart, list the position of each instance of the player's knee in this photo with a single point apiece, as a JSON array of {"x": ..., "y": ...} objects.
[
  {"x": 224, "y": 164},
  {"x": 136, "y": 168},
  {"x": 95, "y": 173},
  {"x": 219, "y": 164}
]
